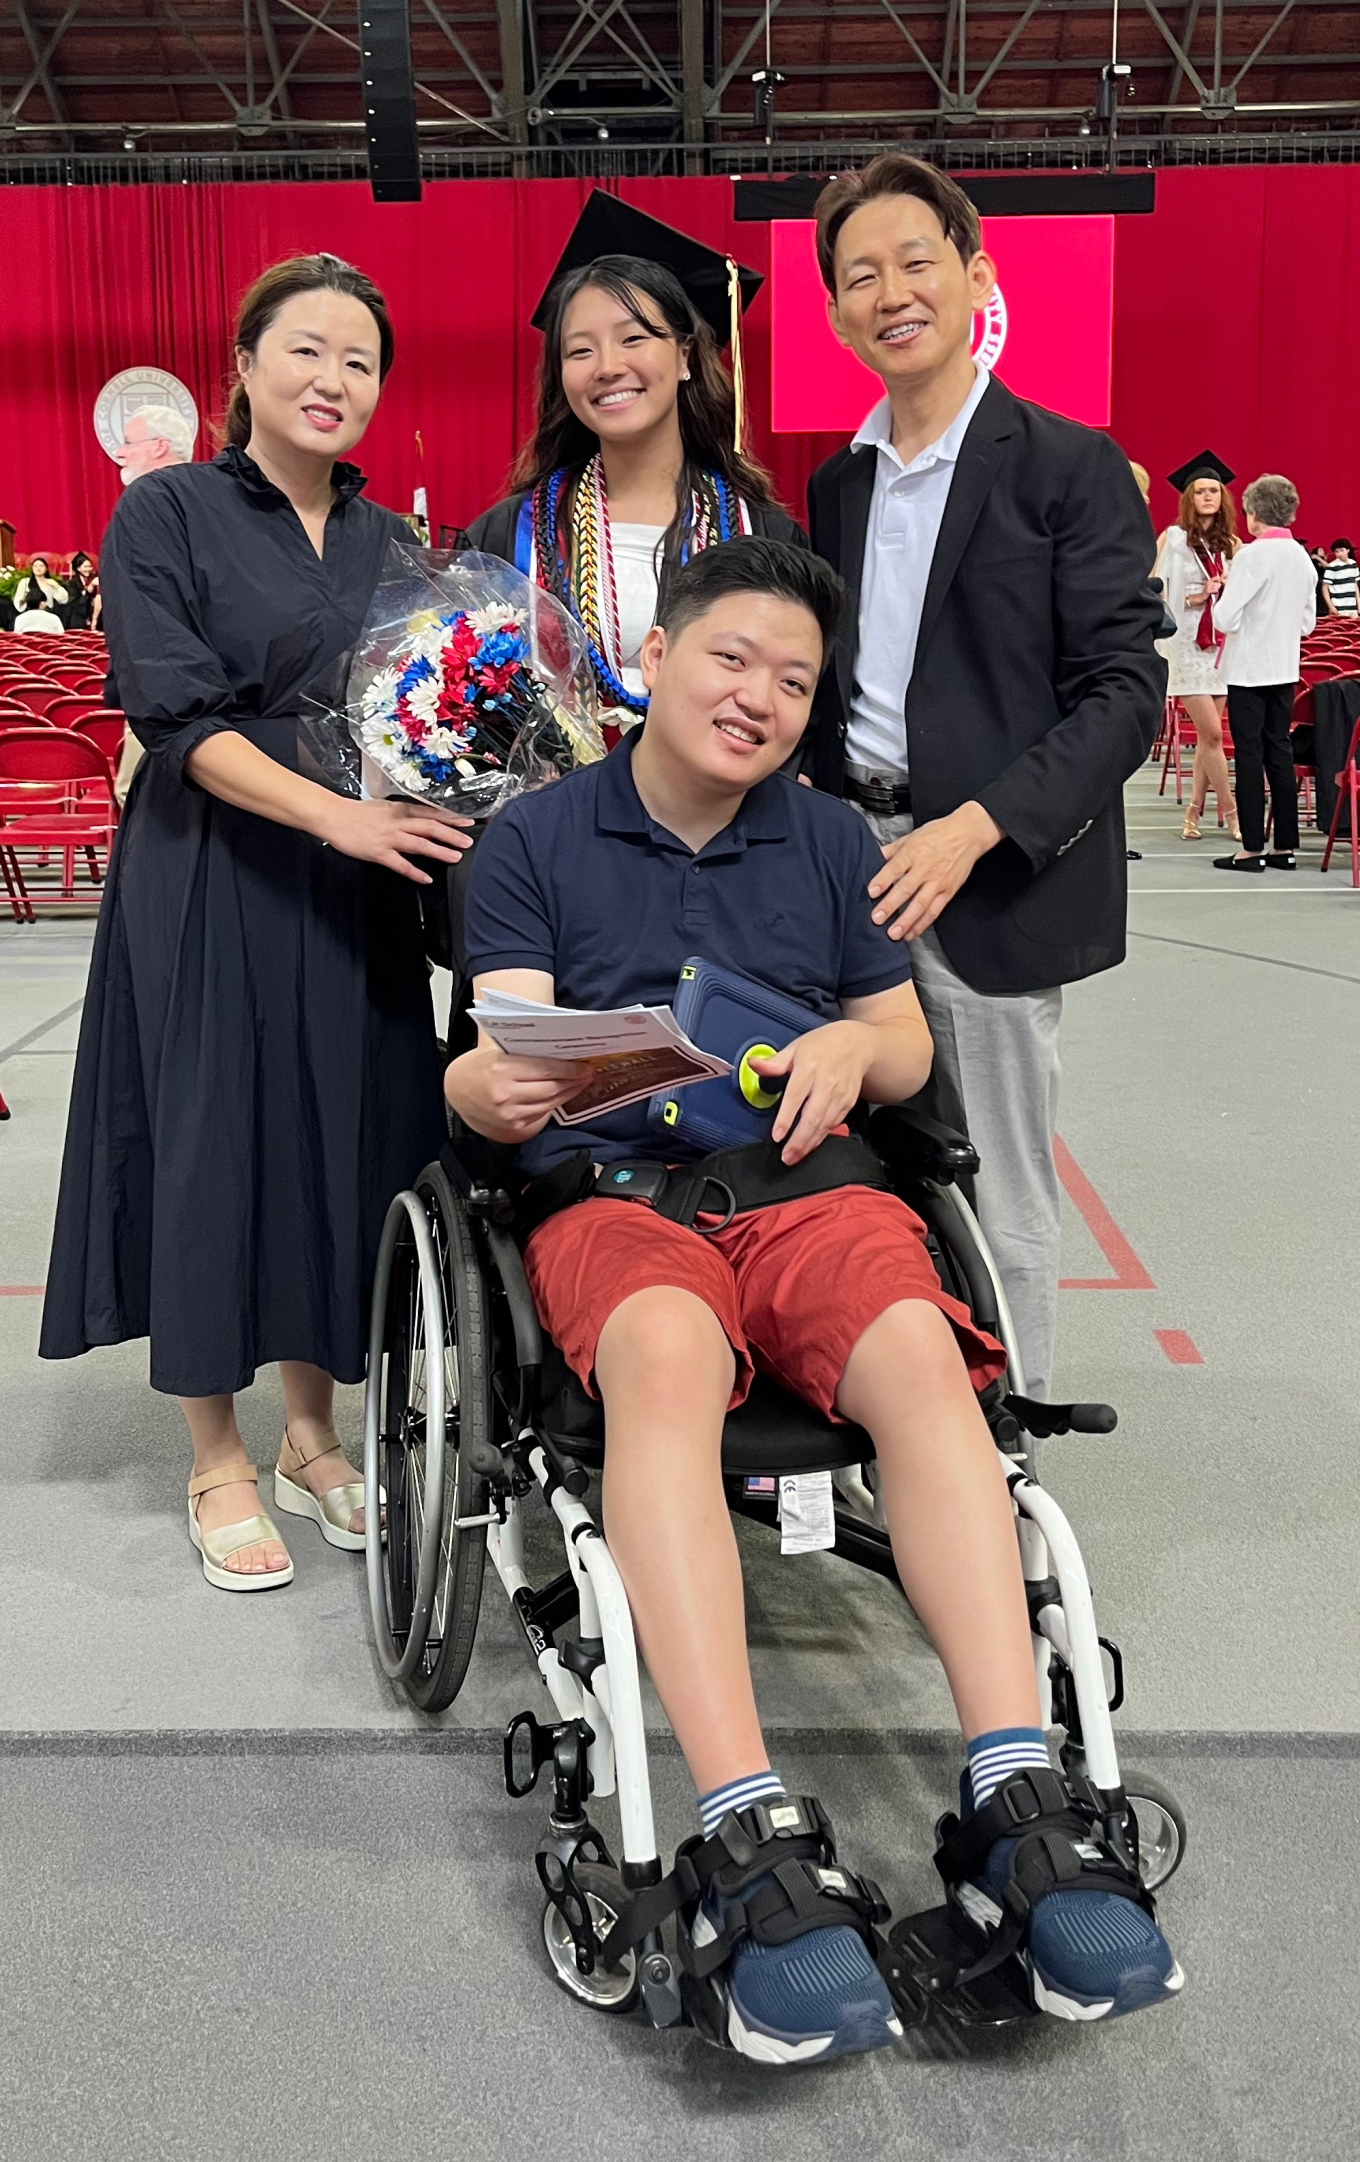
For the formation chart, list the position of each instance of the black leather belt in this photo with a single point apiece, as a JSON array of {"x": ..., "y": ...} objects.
[{"x": 888, "y": 799}]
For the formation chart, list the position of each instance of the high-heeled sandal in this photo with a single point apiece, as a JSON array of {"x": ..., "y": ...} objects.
[
  {"x": 217, "y": 1547},
  {"x": 1190, "y": 825},
  {"x": 333, "y": 1511}
]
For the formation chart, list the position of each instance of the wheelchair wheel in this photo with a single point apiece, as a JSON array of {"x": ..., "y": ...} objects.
[
  {"x": 608, "y": 1989},
  {"x": 1161, "y": 1828},
  {"x": 427, "y": 1408}
]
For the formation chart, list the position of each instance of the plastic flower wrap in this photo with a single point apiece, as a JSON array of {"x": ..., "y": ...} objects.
[{"x": 468, "y": 686}]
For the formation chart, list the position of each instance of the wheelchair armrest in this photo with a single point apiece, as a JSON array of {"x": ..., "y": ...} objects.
[{"x": 916, "y": 1146}]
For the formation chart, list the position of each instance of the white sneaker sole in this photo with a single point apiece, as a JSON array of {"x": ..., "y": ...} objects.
[
  {"x": 986, "y": 1913},
  {"x": 769, "y": 2049}
]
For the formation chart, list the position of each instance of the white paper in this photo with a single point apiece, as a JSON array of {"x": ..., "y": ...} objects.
[
  {"x": 633, "y": 1052},
  {"x": 807, "y": 1516}
]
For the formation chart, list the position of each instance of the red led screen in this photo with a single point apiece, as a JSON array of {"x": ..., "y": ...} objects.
[{"x": 1047, "y": 333}]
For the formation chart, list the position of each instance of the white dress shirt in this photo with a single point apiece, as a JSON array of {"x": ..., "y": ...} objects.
[
  {"x": 1268, "y": 603},
  {"x": 899, "y": 547}
]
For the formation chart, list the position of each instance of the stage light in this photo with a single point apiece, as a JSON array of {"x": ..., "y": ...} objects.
[{"x": 602, "y": 134}]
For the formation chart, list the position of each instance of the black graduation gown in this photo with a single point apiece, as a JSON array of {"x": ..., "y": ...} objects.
[
  {"x": 494, "y": 532},
  {"x": 257, "y": 1072}
]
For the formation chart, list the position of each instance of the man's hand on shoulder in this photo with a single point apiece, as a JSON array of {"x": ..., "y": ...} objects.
[{"x": 925, "y": 869}]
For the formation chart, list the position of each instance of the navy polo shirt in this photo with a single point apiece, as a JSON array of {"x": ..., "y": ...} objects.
[{"x": 577, "y": 880}]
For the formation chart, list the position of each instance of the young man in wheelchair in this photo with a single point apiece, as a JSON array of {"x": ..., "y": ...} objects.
[{"x": 686, "y": 840}]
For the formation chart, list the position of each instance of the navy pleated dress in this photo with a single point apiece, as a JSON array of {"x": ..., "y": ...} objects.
[{"x": 257, "y": 1072}]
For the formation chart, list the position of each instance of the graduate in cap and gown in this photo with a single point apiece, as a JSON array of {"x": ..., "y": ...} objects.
[
  {"x": 635, "y": 460},
  {"x": 1193, "y": 559}
]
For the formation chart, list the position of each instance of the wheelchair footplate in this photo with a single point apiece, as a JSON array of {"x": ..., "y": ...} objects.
[{"x": 941, "y": 1942}]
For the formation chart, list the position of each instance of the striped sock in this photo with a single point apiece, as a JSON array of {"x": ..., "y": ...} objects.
[
  {"x": 738, "y": 1794},
  {"x": 992, "y": 1758}
]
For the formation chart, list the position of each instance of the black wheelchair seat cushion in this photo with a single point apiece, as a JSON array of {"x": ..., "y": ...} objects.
[{"x": 771, "y": 1433}]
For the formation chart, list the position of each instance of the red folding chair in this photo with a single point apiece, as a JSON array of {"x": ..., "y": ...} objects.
[
  {"x": 69, "y": 711},
  {"x": 106, "y": 729},
  {"x": 36, "y": 696},
  {"x": 56, "y": 792},
  {"x": 1348, "y": 793}
]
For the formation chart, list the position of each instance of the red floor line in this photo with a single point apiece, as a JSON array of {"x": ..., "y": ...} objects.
[
  {"x": 1129, "y": 1273},
  {"x": 1179, "y": 1348},
  {"x": 22, "y": 1291}
]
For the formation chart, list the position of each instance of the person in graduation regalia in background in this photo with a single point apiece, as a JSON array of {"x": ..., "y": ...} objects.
[
  {"x": 635, "y": 459},
  {"x": 1194, "y": 557}
]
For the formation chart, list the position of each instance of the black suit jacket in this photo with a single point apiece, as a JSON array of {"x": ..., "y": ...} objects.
[{"x": 1036, "y": 689}]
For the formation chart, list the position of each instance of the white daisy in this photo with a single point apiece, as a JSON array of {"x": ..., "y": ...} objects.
[
  {"x": 422, "y": 701},
  {"x": 381, "y": 691},
  {"x": 496, "y": 616}
]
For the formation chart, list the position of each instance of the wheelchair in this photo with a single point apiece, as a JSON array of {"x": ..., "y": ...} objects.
[{"x": 470, "y": 1410}]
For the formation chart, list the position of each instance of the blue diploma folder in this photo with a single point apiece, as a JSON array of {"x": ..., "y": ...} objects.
[{"x": 734, "y": 1017}]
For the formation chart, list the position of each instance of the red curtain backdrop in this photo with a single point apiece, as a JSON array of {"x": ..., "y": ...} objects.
[{"x": 1237, "y": 319}]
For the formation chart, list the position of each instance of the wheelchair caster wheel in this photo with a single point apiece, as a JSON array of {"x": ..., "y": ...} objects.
[
  {"x": 1161, "y": 1828},
  {"x": 607, "y": 1989}
]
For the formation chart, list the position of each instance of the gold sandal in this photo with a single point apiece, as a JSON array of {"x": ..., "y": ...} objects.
[
  {"x": 217, "y": 1547},
  {"x": 334, "y": 1510},
  {"x": 1190, "y": 825}
]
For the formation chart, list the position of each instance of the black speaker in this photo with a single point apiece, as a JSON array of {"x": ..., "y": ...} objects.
[{"x": 389, "y": 101}]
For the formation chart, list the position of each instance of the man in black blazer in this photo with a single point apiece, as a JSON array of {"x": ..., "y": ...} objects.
[{"x": 995, "y": 685}]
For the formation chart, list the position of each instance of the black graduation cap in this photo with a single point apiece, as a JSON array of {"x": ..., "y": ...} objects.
[
  {"x": 1207, "y": 466},
  {"x": 608, "y": 227}
]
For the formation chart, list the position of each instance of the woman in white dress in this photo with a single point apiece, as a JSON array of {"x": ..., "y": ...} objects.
[{"x": 1193, "y": 558}]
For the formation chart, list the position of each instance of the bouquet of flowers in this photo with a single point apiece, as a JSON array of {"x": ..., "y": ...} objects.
[{"x": 468, "y": 686}]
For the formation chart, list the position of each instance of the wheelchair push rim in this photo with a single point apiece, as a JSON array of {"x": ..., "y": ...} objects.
[{"x": 400, "y": 1372}]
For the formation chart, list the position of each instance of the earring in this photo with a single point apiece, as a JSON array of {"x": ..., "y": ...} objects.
[{"x": 684, "y": 375}]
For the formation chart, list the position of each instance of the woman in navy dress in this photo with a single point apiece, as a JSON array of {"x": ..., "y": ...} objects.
[{"x": 258, "y": 1071}]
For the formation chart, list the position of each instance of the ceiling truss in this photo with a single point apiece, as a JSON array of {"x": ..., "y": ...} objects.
[{"x": 534, "y": 85}]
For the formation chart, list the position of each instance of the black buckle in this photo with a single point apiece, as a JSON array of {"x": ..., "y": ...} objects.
[{"x": 645, "y": 1182}]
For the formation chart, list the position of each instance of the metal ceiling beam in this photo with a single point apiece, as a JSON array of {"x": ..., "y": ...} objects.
[
  {"x": 1187, "y": 65},
  {"x": 999, "y": 56},
  {"x": 510, "y": 32},
  {"x": 1262, "y": 43},
  {"x": 693, "y": 89},
  {"x": 279, "y": 93},
  {"x": 488, "y": 90},
  {"x": 1177, "y": 72},
  {"x": 757, "y": 30},
  {"x": 209, "y": 70},
  {"x": 42, "y": 54}
]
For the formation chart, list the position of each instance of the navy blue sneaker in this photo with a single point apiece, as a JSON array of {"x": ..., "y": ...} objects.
[
  {"x": 816, "y": 1995},
  {"x": 1090, "y": 1954}
]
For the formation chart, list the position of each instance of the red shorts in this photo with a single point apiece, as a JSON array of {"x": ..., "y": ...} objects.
[{"x": 794, "y": 1286}]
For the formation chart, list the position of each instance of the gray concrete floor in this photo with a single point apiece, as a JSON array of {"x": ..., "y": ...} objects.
[{"x": 1209, "y": 1099}]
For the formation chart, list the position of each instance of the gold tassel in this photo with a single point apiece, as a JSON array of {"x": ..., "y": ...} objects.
[{"x": 738, "y": 373}]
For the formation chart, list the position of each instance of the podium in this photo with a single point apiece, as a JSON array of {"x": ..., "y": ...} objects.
[{"x": 6, "y": 545}]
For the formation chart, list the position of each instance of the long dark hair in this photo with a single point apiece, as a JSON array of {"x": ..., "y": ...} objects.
[
  {"x": 282, "y": 282},
  {"x": 1220, "y": 535},
  {"x": 706, "y": 404}
]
